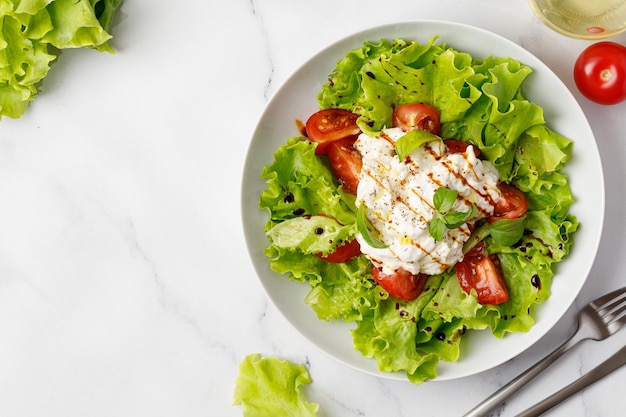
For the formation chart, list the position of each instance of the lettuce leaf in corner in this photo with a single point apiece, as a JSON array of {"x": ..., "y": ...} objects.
[
  {"x": 105, "y": 11},
  {"x": 271, "y": 387},
  {"x": 33, "y": 32},
  {"x": 23, "y": 63}
]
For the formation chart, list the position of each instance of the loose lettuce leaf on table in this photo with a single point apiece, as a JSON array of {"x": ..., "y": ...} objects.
[{"x": 271, "y": 387}]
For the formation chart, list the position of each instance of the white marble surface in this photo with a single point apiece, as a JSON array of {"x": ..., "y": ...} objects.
[{"x": 125, "y": 287}]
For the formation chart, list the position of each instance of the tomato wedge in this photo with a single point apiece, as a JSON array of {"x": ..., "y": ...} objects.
[
  {"x": 482, "y": 273},
  {"x": 329, "y": 125},
  {"x": 345, "y": 162},
  {"x": 343, "y": 253},
  {"x": 417, "y": 116},
  {"x": 458, "y": 146},
  {"x": 401, "y": 284},
  {"x": 512, "y": 204}
]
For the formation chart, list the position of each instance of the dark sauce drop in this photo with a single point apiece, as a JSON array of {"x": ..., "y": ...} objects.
[{"x": 536, "y": 281}]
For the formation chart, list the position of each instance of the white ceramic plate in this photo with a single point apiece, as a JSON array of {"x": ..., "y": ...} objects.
[{"x": 296, "y": 99}]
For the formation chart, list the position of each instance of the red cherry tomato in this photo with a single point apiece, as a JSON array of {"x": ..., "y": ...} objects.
[
  {"x": 458, "y": 146},
  {"x": 417, "y": 116},
  {"x": 512, "y": 204},
  {"x": 402, "y": 284},
  {"x": 343, "y": 253},
  {"x": 346, "y": 163},
  {"x": 482, "y": 273},
  {"x": 600, "y": 73},
  {"x": 329, "y": 125}
]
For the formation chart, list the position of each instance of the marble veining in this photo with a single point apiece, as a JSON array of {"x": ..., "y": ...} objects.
[{"x": 258, "y": 16}]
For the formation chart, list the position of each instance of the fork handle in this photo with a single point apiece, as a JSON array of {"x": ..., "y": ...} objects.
[
  {"x": 516, "y": 384},
  {"x": 600, "y": 371}
]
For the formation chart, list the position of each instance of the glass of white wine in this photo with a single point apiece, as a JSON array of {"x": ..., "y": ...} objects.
[{"x": 584, "y": 19}]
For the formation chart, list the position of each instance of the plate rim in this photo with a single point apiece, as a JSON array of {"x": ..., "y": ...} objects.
[{"x": 358, "y": 38}]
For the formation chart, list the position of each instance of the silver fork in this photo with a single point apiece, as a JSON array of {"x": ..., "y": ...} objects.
[{"x": 597, "y": 320}]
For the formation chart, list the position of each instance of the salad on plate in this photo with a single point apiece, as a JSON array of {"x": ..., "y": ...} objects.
[{"x": 424, "y": 199}]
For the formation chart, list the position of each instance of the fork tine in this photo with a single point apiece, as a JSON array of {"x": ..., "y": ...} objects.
[
  {"x": 597, "y": 320},
  {"x": 617, "y": 322},
  {"x": 612, "y": 305},
  {"x": 612, "y": 311},
  {"x": 600, "y": 302}
]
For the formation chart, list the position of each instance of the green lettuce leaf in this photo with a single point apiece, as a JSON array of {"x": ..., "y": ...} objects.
[
  {"x": 23, "y": 63},
  {"x": 73, "y": 24},
  {"x": 388, "y": 332},
  {"x": 375, "y": 79},
  {"x": 309, "y": 234},
  {"x": 311, "y": 214},
  {"x": 271, "y": 387},
  {"x": 105, "y": 11},
  {"x": 33, "y": 34},
  {"x": 301, "y": 184},
  {"x": 342, "y": 291}
]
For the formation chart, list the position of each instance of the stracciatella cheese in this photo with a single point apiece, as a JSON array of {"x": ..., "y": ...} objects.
[{"x": 398, "y": 196}]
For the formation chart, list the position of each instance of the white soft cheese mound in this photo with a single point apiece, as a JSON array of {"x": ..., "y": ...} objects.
[{"x": 398, "y": 196}]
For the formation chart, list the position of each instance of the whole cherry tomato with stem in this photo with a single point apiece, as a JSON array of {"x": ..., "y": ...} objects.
[{"x": 600, "y": 73}]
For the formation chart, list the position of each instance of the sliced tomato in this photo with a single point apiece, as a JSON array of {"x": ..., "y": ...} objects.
[
  {"x": 343, "y": 253},
  {"x": 401, "y": 284},
  {"x": 329, "y": 125},
  {"x": 482, "y": 273},
  {"x": 346, "y": 163},
  {"x": 417, "y": 116},
  {"x": 512, "y": 203},
  {"x": 458, "y": 146}
]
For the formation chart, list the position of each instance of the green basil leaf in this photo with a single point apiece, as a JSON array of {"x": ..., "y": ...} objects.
[
  {"x": 437, "y": 228},
  {"x": 507, "y": 232},
  {"x": 411, "y": 141},
  {"x": 365, "y": 228},
  {"x": 479, "y": 234},
  {"x": 444, "y": 199},
  {"x": 455, "y": 219}
]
